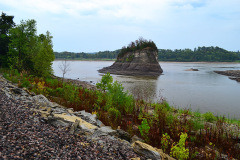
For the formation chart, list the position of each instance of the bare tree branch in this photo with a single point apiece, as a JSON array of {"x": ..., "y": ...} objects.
[{"x": 65, "y": 67}]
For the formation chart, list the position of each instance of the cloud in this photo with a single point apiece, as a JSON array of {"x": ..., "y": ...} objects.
[{"x": 174, "y": 23}]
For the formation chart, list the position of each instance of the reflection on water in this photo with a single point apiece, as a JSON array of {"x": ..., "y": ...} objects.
[
  {"x": 202, "y": 90},
  {"x": 141, "y": 88}
]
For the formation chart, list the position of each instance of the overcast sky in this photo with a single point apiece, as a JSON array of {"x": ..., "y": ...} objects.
[{"x": 99, "y": 25}]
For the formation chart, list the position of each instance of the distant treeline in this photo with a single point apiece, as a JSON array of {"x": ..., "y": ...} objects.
[
  {"x": 82, "y": 55},
  {"x": 208, "y": 54}
]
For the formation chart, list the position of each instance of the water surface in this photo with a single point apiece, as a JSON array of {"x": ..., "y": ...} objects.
[{"x": 201, "y": 90}]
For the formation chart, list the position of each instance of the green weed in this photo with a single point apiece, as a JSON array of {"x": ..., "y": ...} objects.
[
  {"x": 179, "y": 151},
  {"x": 144, "y": 129}
]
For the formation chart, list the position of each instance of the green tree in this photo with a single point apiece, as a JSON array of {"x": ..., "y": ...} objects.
[
  {"x": 6, "y": 23},
  {"x": 44, "y": 56},
  {"x": 28, "y": 51},
  {"x": 23, "y": 44}
]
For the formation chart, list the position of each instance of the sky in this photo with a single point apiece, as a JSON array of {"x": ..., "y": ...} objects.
[{"x": 100, "y": 25}]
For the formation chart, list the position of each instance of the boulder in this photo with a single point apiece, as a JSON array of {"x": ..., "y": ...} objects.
[
  {"x": 146, "y": 150},
  {"x": 42, "y": 100},
  {"x": 82, "y": 124}
]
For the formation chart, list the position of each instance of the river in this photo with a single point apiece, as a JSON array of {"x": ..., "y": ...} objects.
[{"x": 201, "y": 90}]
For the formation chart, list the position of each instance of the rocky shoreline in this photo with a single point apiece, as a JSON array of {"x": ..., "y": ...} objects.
[
  {"x": 119, "y": 71},
  {"x": 34, "y": 128},
  {"x": 232, "y": 74},
  {"x": 77, "y": 82}
]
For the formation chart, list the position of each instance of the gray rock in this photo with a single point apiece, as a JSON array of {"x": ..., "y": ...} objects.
[
  {"x": 90, "y": 118},
  {"x": 136, "y": 138},
  {"x": 99, "y": 123},
  {"x": 85, "y": 130},
  {"x": 146, "y": 150},
  {"x": 10, "y": 86},
  {"x": 108, "y": 130},
  {"x": 98, "y": 133},
  {"x": 74, "y": 126},
  {"x": 123, "y": 135},
  {"x": 18, "y": 91},
  {"x": 56, "y": 122},
  {"x": 41, "y": 99}
]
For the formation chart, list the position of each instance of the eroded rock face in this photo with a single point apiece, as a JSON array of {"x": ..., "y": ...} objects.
[{"x": 139, "y": 63}]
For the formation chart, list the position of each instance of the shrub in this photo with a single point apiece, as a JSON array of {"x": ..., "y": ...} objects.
[
  {"x": 115, "y": 95},
  {"x": 209, "y": 117},
  {"x": 52, "y": 82},
  {"x": 105, "y": 82},
  {"x": 24, "y": 83},
  {"x": 144, "y": 129},
  {"x": 114, "y": 114}
]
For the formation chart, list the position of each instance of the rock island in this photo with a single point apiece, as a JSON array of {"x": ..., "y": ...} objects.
[{"x": 140, "y": 58}]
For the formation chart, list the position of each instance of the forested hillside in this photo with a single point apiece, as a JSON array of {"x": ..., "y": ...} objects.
[{"x": 207, "y": 54}]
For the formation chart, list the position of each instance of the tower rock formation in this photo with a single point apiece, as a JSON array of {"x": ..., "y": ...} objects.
[{"x": 138, "y": 63}]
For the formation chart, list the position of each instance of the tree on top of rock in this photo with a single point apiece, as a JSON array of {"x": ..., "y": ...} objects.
[{"x": 139, "y": 44}]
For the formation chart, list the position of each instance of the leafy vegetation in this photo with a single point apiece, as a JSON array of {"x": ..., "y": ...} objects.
[
  {"x": 6, "y": 23},
  {"x": 165, "y": 141},
  {"x": 179, "y": 151},
  {"x": 209, "y": 117},
  {"x": 161, "y": 128},
  {"x": 144, "y": 129},
  {"x": 137, "y": 45},
  {"x": 29, "y": 58},
  {"x": 23, "y": 49}
]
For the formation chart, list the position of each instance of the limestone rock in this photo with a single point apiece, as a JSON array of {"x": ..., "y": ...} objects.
[
  {"x": 99, "y": 123},
  {"x": 90, "y": 118},
  {"x": 139, "y": 63},
  {"x": 74, "y": 126},
  {"x": 42, "y": 100},
  {"x": 98, "y": 133},
  {"x": 146, "y": 150},
  {"x": 72, "y": 119},
  {"x": 108, "y": 130}
]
